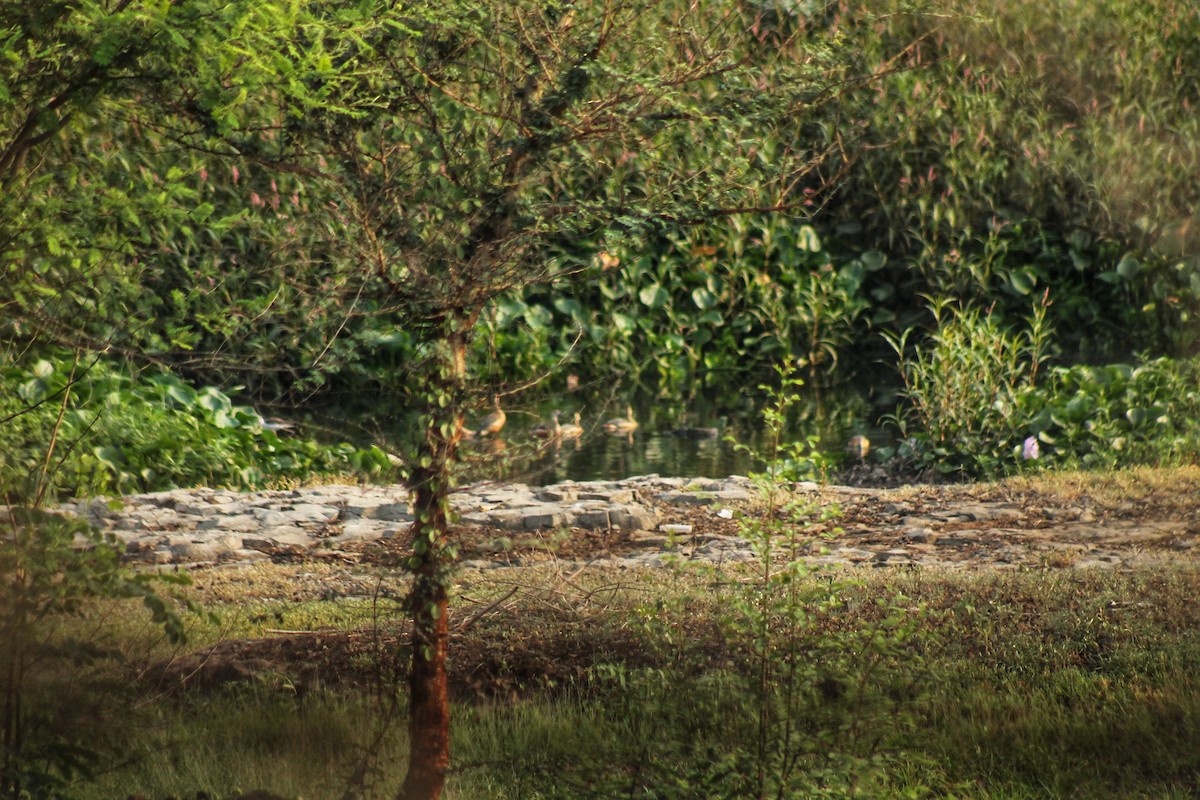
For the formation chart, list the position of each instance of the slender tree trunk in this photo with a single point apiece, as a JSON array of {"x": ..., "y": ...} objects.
[
  {"x": 433, "y": 557},
  {"x": 429, "y": 720}
]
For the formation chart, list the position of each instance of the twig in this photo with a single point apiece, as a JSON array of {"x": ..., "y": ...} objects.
[{"x": 478, "y": 615}]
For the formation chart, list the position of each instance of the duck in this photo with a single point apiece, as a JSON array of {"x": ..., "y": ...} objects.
[
  {"x": 572, "y": 430},
  {"x": 547, "y": 430},
  {"x": 859, "y": 446},
  {"x": 626, "y": 424},
  {"x": 494, "y": 421}
]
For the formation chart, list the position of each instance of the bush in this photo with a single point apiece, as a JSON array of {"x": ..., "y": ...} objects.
[
  {"x": 965, "y": 386},
  {"x": 51, "y": 568},
  {"x": 120, "y": 432},
  {"x": 1118, "y": 415}
]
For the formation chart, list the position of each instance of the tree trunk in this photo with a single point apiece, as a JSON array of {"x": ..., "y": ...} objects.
[
  {"x": 429, "y": 709},
  {"x": 433, "y": 557}
]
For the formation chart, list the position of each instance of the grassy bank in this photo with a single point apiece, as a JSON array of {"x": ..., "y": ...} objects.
[{"x": 1053, "y": 683}]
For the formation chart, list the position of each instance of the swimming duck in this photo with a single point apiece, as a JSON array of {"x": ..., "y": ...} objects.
[
  {"x": 494, "y": 421},
  {"x": 625, "y": 424},
  {"x": 572, "y": 430}
]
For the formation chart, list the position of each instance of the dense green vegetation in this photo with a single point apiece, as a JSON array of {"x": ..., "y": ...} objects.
[
  {"x": 390, "y": 210},
  {"x": 974, "y": 155}
]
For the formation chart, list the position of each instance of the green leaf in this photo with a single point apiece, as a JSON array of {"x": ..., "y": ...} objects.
[
  {"x": 654, "y": 296},
  {"x": 568, "y": 306},
  {"x": 1022, "y": 282},
  {"x": 538, "y": 317},
  {"x": 109, "y": 457},
  {"x": 703, "y": 298},
  {"x": 1128, "y": 267},
  {"x": 808, "y": 240},
  {"x": 873, "y": 260}
]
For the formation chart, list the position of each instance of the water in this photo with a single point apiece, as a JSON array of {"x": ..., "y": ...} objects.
[{"x": 832, "y": 416}]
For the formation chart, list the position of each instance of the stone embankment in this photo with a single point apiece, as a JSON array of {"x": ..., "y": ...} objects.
[{"x": 646, "y": 521}]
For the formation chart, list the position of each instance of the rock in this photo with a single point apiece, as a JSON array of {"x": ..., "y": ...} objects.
[
  {"x": 246, "y": 523},
  {"x": 279, "y": 538},
  {"x": 916, "y": 535},
  {"x": 169, "y": 530},
  {"x": 537, "y": 519}
]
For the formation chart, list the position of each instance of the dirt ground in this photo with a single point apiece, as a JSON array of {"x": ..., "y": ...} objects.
[{"x": 545, "y": 623}]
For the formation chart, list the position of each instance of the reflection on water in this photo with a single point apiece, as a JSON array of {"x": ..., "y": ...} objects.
[{"x": 674, "y": 438}]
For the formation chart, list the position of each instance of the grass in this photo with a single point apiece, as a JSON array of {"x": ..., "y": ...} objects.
[
  {"x": 615, "y": 683},
  {"x": 1052, "y": 683}
]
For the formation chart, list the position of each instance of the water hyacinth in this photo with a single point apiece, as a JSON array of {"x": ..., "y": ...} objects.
[{"x": 1029, "y": 451}]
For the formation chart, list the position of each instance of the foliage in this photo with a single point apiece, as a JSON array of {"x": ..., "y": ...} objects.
[
  {"x": 785, "y": 706},
  {"x": 122, "y": 432},
  {"x": 734, "y": 295},
  {"x": 1118, "y": 415},
  {"x": 812, "y": 704},
  {"x": 964, "y": 385},
  {"x": 52, "y": 567},
  {"x": 1001, "y": 157}
]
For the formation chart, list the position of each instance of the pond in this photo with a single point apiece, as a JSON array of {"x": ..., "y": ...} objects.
[{"x": 675, "y": 437}]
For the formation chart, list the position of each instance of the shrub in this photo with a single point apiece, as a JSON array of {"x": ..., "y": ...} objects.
[
  {"x": 964, "y": 386},
  {"x": 122, "y": 432},
  {"x": 1118, "y": 415}
]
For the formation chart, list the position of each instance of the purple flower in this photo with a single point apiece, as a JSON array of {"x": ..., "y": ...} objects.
[{"x": 1030, "y": 450}]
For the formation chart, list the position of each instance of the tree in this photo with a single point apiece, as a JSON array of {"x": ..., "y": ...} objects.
[
  {"x": 448, "y": 154},
  {"x": 457, "y": 148},
  {"x": 89, "y": 193}
]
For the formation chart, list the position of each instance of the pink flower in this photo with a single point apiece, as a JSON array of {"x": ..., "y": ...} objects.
[{"x": 1029, "y": 451}]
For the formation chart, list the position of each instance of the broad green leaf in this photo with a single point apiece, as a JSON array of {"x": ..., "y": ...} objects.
[
  {"x": 108, "y": 456},
  {"x": 703, "y": 298},
  {"x": 1022, "y": 282},
  {"x": 654, "y": 296},
  {"x": 873, "y": 260},
  {"x": 1128, "y": 266},
  {"x": 568, "y": 306}
]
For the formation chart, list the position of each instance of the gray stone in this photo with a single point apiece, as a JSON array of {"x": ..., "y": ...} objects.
[
  {"x": 197, "y": 507},
  {"x": 194, "y": 551},
  {"x": 366, "y": 531},
  {"x": 685, "y": 499},
  {"x": 633, "y": 518},
  {"x": 278, "y": 538},
  {"x": 507, "y": 518},
  {"x": 610, "y": 496},
  {"x": 391, "y": 512},
  {"x": 238, "y": 522},
  {"x": 917, "y": 535},
  {"x": 271, "y": 518},
  {"x": 555, "y": 496},
  {"x": 960, "y": 539},
  {"x": 539, "y": 518},
  {"x": 312, "y": 513}
]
